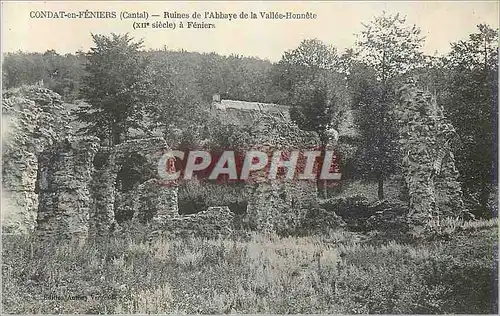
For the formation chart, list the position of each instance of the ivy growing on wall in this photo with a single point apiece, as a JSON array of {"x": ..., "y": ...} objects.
[{"x": 426, "y": 139}]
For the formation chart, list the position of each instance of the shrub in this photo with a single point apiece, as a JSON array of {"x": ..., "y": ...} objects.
[{"x": 320, "y": 221}]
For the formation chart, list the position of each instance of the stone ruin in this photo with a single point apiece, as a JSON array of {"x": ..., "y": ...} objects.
[
  {"x": 63, "y": 187},
  {"x": 80, "y": 191},
  {"x": 213, "y": 222},
  {"x": 277, "y": 204},
  {"x": 428, "y": 166},
  {"x": 119, "y": 188},
  {"x": 58, "y": 185},
  {"x": 82, "y": 187},
  {"x": 74, "y": 188},
  {"x": 32, "y": 118},
  {"x": 19, "y": 199}
]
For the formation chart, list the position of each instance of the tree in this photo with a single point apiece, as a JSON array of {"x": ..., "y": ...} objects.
[
  {"x": 387, "y": 49},
  {"x": 480, "y": 52},
  {"x": 115, "y": 87},
  {"x": 176, "y": 106},
  {"x": 470, "y": 100},
  {"x": 315, "y": 90},
  {"x": 303, "y": 64},
  {"x": 377, "y": 152},
  {"x": 307, "y": 75},
  {"x": 317, "y": 104},
  {"x": 60, "y": 73}
]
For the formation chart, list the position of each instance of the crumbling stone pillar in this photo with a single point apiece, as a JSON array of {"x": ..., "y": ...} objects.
[
  {"x": 19, "y": 200},
  {"x": 155, "y": 200},
  {"x": 64, "y": 176},
  {"x": 264, "y": 205},
  {"x": 275, "y": 204},
  {"x": 102, "y": 215},
  {"x": 428, "y": 163}
]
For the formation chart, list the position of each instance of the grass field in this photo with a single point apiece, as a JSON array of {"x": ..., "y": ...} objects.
[{"x": 336, "y": 273}]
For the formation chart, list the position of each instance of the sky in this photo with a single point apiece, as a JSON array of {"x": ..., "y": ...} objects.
[{"x": 337, "y": 22}]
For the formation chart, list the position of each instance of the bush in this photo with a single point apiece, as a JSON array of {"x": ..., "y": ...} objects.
[
  {"x": 387, "y": 216},
  {"x": 320, "y": 221},
  {"x": 446, "y": 228},
  {"x": 354, "y": 210}
]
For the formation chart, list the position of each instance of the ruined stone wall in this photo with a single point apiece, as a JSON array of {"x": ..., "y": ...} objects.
[
  {"x": 145, "y": 199},
  {"x": 428, "y": 163},
  {"x": 77, "y": 185},
  {"x": 80, "y": 187},
  {"x": 75, "y": 194},
  {"x": 103, "y": 191},
  {"x": 32, "y": 118},
  {"x": 64, "y": 176},
  {"x": 449, "y": 196},
  {"x": 274, "y": 203},
  {"x": 211, "y": 223},
  {"x": 19, "y": 199},
  {"x": 156, "y": 200}
]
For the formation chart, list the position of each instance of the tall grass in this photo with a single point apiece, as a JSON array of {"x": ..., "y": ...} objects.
[{"x": 261, "y": 274}]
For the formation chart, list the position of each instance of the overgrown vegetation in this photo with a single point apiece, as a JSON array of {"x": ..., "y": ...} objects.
[
  {"x": 343, "y": 257},
  {"x": 331, "y": 273}
]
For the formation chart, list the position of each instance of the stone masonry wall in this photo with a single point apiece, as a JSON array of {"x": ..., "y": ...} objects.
[
  {"x": 428, "y": 162},
  {"x": 449, "y": 196},
  {"x": 32, "y": 118},
  {"x": 77, "y": 185},
  {"x": 80, "y": 189},
  {"x": 274, "y": 203},
  {"x": 19, "y": 200},
  {"x": 211, "y": 223},
  {"x": 102, "y": 215},
  {"x": 145, "y": 200},
  {"x": 64, "y": 175},
  {"x": 155, "y": 200}
]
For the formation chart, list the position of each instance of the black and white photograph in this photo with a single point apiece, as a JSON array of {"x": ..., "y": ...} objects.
[{"x": 249, "y": 157}]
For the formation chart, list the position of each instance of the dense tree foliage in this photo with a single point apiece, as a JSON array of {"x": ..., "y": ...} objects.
[
  {"x": 303, "y": 65},
  {"x": 310, "y": 82},
  {"x": 470, "y": 99},
  {"x": 115, "y": 87},
  {"x": 60, "y": 73},
  {"x": 386, "y": 49}
]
